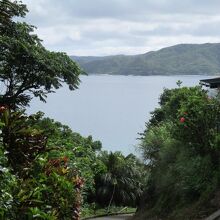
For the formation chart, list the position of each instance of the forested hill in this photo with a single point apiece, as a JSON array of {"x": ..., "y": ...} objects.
[{"x": 175, "y": 60}]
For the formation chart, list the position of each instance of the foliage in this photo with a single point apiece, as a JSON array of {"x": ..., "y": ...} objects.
[
  {"x": 46, "y": 187},
  {"x": 181, "y": 149},
  {"x": 29, "y": 190},
  {"x": 47, "y": 173},
  {"x": 22, "y": 143},
  {"x": 46, "y": 169},
  {"x": 94, "y": 165},
  {"x": 26, "y": 67},
  {"x": 81, "y": 151},
  {"x": 121, "y": 183},
  {"x": 61, "y": 135},
  {"x": 7, "y": 184},
  {"x": 52, "y": 191}
]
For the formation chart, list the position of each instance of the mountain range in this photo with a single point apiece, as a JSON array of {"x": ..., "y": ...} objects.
[{"x": 181, "y": 59}]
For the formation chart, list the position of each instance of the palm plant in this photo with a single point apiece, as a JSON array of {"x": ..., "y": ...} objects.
[{"x": 121, "y": 182}]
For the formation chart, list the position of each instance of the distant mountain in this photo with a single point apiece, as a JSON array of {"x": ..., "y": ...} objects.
[{"x": 187, "y": 59}]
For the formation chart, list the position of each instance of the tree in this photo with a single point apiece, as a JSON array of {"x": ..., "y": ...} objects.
[
  {"x": 122, "y": 181},
  {"x": 26, "y": 68}
]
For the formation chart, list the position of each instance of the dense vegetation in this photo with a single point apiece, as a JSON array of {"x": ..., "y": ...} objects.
[
  {"x": 176, "y": 60},
  {"x": 181, "y": 148},
  {"x": 47, "y": 171}
]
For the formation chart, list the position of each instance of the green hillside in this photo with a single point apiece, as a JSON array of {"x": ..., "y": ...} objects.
[{"x": 175, "y": 60}]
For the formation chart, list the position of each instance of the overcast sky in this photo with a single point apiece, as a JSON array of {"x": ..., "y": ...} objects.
[{"x": 106, "y": 27}]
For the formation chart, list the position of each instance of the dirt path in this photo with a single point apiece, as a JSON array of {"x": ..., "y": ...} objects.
[{"x": 115, "y": 217}]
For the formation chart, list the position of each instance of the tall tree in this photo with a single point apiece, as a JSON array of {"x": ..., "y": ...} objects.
[{"x": 27, "y": 69}]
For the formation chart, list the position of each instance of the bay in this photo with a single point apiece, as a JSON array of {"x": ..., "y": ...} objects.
[{"x": 113, "y": 109}]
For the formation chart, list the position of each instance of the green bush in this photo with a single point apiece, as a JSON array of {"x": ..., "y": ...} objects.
[
  {"x": 43, "y": 186},
  {"x": 181, "y": 148}
]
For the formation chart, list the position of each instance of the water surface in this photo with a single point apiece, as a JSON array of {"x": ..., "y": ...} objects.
[{"x": 113, "y": 109}]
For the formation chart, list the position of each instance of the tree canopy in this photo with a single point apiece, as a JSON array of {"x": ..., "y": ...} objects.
[{"x": 27, "y": 69}]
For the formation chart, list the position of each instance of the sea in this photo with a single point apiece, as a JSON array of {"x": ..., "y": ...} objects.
[{"x": 113, "y": 109}]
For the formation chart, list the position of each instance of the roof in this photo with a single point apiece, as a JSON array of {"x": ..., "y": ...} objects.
[{"x": 212, "y": 83}]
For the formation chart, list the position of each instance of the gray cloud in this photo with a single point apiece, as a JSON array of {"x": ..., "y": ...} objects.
[{"x": 100, "y": 27}]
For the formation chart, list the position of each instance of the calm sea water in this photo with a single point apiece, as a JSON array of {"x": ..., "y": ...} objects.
[{"x": 113, "y": 109}]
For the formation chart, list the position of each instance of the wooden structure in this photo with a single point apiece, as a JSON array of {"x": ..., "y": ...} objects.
[{"x": 211, "y": 83}]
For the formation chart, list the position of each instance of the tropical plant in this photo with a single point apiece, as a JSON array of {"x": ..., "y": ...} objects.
[
  {"x": 46, "y": 186},
  {"x": 122, "y": 182}
]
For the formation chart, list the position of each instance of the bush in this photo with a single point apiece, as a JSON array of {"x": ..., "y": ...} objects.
[
  {"x": 41, "y": 187},
  {"x": 181, "y": 148}
]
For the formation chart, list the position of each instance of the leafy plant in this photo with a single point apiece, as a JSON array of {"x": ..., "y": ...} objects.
[
  {"x": 181, "y": 148},
  {"x": 121, "y": 182}
]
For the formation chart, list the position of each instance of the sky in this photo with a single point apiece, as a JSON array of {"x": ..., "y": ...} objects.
[{"x": 109, "y": 27}]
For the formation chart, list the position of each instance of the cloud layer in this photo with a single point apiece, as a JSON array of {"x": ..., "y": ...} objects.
[{"x": 100, "y": 27}]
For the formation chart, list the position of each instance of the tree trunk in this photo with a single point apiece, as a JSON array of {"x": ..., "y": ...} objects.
[{"x": 110, "y": 202}]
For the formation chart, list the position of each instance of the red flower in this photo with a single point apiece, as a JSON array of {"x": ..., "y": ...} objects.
[{"x": 182, "y": 119}]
